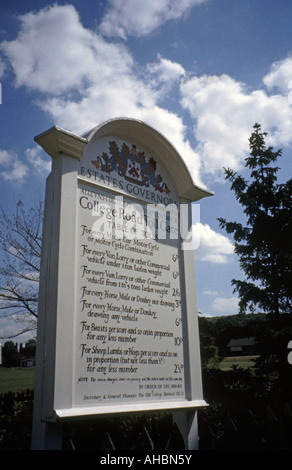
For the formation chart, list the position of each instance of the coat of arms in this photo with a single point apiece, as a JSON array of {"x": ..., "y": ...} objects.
[{"x": 132, "y": 165}]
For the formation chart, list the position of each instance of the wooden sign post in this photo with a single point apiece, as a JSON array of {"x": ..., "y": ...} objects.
[{"x": 117, "y": 327}]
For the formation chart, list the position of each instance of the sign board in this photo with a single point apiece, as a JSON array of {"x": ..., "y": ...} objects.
[{"x": 117, "y": 322}]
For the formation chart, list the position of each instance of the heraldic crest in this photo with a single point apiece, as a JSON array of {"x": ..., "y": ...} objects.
[{"x": 132, "y": 165}]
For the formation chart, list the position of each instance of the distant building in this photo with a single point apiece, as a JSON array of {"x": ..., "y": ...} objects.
[
  {"x": 27, "y": 362},
  {"x": 242, "y": 347}
]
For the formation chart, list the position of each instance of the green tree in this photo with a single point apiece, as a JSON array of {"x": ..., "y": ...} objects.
[
  {"x": 264, "y": 244},
  {"x": 10, "y": 354},
  {"x": 209, "y": 350},
  {"x": 29, "y": 349}
]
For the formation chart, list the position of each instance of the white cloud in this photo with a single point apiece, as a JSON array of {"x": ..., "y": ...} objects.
[
  {"x": 139, "y": 18},
  {"x": 54, "y": 53},
  {"x": 280, "y": 76},
  {"x": 41, "y": 166},
  {"x": 98, "y": 80},
  {"x": 166, "y": 70},
  {"x": 164, "y": 74},
  {"x": 84, "y": 80},
  {"x": 5, "y": 157},
  {"x": 225, "y": 305},
  {"x": 14, "y": 170},
  {"x": 225, "y": 112},
  {"x": 210, "y": 292},
  {"x": 16, "y": 173},
  {"x": 213, "y": 246}
]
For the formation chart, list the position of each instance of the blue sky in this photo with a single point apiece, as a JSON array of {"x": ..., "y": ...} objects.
[{"x": 202, "y": 72}]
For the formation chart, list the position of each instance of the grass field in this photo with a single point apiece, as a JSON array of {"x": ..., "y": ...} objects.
[
  {"x": 16, "y": 379},
  {"x": 240, "y": 361}
]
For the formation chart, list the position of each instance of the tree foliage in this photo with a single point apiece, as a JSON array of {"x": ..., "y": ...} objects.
[
  {"x": 12, "y": 353},
  {"x": 264, "y": 244}
]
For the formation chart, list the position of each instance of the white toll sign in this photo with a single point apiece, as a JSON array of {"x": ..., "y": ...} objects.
[{"x": 117, "y": 328}]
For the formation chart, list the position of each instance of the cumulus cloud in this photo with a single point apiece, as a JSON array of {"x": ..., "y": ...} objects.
[
  {"x": 82, "y": 79},
  {"x": 16, "y": 173},
  {"x": 224, "y": 112},
  {"x": 14, "y": 170},
  {"x": 225, "y": 305},
  {"x": 85, "y": 80},
  {"x": 40, "y": 165},
  {"x": 54, "y": 53},
  {"x": 5, "y": 157},
  {"x": 213, "y": 246},
  {"x": 210, "y": 292},
  {"x": 280, "y": 76},
  {"x": 139, "y": 18},
  {"x": 163, "y": 75}
]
